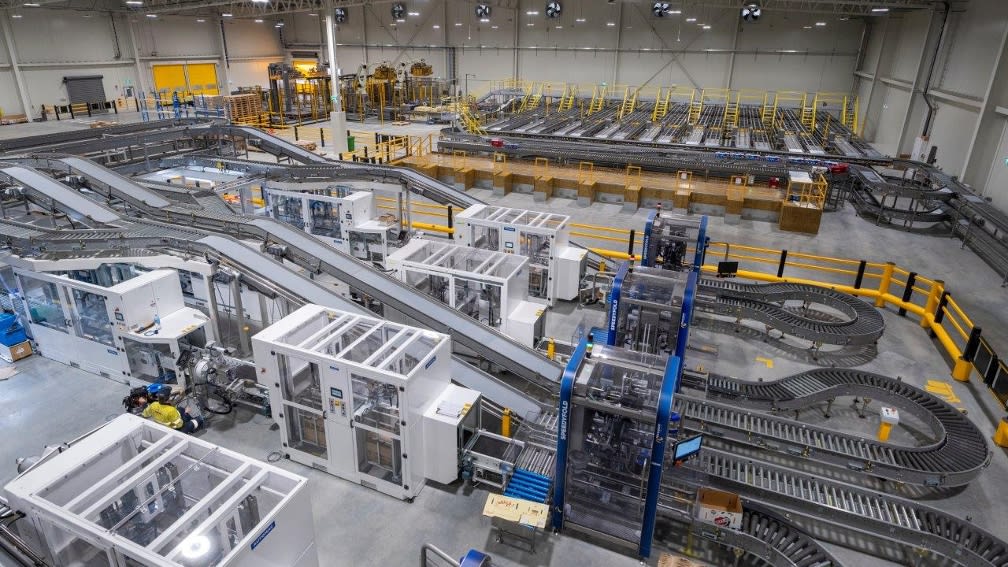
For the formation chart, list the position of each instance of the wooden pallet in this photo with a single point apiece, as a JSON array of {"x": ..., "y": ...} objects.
[{"x": 243, "y": 107}]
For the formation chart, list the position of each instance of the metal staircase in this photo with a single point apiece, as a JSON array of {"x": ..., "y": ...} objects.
[
  {"x": 661, "y": 105},
  {"x": 629, "y": 102}
]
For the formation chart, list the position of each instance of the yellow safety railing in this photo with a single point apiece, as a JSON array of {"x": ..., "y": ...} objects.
[{"x": 885, "y": 284}]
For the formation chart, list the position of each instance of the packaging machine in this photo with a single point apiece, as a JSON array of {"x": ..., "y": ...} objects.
[
  {"x": 668, "y": 238},
  {"x": 136, "y": 493},
  {"x": 650, "y": 310},
  {"x": 555, "y": 267},
  {"x": 118, "y": 322},
  {"x": 351, "y": 394},
  {"x": 491, "y": 287}
]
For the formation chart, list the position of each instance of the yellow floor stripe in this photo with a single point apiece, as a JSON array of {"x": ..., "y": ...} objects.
[
  {"x": 943, "y": 390},
  {"x": 767, "y": 361}
]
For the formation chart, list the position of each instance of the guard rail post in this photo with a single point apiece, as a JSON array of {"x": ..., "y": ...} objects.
[
  {"x": 884, "y": 282},
  {"x": 783, "y": 262},
  {"x": 907, "y": 292},
  {"x": 506, "y": 422},
  {"x": 964, "y": 364},
  {"x": 940, "y": 311},
  {"x": 295, "y": 133},
  {"x": 321, "y": 133},
  {"x": 860, "y": 274},
  {"x": 937, "y": 288},
  {"x": 630, "y": 242}
]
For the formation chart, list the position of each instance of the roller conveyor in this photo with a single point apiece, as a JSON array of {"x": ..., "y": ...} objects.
[
  {"x": 874, "y": 514},
  {"x": 864, "y": 324},
  {"x": 957, "y": 457},
  {"x": 59, "y": 196},
  {"x": 782, "y": 543}
]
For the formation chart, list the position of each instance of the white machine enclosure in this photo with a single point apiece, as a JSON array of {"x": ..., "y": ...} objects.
[
  {"x": 349, "y": 393},
  {"x": 135, "y": 493},
  {"x": 448, "y": 424},
  {"x": 491, "y": 287},
  {"x": 543, "y": 238},
  {"x": 124, "y": 325},
  {"x": 348, "y": 221}
]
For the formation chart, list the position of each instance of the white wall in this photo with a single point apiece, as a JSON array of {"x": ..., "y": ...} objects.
[
  {"x": 53, "y": 44},
  {"x": 969, "y": 84}
]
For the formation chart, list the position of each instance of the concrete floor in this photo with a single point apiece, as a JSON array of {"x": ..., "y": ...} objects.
[{"x": 34, "y": 409}]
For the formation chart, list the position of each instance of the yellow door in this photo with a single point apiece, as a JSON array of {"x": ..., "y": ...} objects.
[
  {"x": 202, "y": 78},
  {"x": 169, "y": 79}
]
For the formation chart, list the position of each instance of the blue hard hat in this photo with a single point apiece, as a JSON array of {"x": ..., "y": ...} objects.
[{"x": 155, "y": 389}]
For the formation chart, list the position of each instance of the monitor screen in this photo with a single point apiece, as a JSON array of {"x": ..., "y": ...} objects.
[{"x": 688, "y": 447}]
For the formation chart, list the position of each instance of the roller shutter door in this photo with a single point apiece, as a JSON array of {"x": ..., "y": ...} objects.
[
  {"x": 202, "y": 78},
  {"x": 88, "y": 89}
]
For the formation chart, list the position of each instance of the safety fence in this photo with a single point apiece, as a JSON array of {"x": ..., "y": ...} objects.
[{"x": 887, "y": 285}]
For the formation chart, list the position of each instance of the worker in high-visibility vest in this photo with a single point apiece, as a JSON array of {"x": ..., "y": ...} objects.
[{"x": 164, "y": 412}]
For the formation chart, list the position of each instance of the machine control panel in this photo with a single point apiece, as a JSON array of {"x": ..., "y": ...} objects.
[{"x": 336, "y": 403}]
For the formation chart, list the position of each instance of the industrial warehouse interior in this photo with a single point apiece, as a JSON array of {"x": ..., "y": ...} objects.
[{"x": 508, "y": 283}]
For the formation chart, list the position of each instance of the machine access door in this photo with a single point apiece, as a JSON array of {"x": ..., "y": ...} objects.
[{"x": 338, "y": 422}]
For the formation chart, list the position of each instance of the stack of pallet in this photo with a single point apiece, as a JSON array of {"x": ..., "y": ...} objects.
[{"x": 243, "y": 107}]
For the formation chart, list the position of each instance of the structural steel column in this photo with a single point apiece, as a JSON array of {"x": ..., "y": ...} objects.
[
  {"x": 225, "y": 64},
  {"x": 619, "y": 40},
  {"x": 734, "y": 48},
  {"x": 928, "y": 49},
  {"x": 141, "y": 93},
  {"x": 337, "y": 118},
  {"x": 15, "y": 67}
]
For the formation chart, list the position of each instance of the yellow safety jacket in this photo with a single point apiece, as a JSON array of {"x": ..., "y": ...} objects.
[{"x": 165, "y": 414}]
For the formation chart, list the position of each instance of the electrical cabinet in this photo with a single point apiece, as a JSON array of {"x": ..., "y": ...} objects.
[
  {"x": 448, "y": 424},
  {"x": 349, "y": 393},
  {"x": 137, "y": 493}
]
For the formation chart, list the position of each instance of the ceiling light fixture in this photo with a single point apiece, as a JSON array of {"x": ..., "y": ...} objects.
[
  {"x": 260, "y": 1},
  {"x": 151, "y": 15},
  {"x": 226, "y": 15},
  {"x": 413, "y": 13},
  {"x": 876, "y": 10},
  {"x": 580, "y": 20},
  {"x": 313, "y": 14},
  {"x": 690, "y": 19},
  {"x": 610, "y": 24},
  {"x": 200, "y": 21},
  {"x": 134, "y": 3},
  {"x": 16, "y": 16},
  {"x": 483, "y": 20},
  {"x": 820, "y": 24},
  {"x": 437, "y": 27},
  {"x": 32, "y": 4},
  {"x": 532, "y": 13},
  {"x": 258, "y": 20},
  {"x": 706, "y": 27},
  {"x": 493, "y": 27}
]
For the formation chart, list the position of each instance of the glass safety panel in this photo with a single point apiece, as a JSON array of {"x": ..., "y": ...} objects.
[
  {"x": 325, "y": 218},
  {"x": 45, "y": 305},
  {"x": 485, "y": 237},
  {"x": 376, "y": 403},
  {"x": 367, "y": 246},
  {"x": 306, "y": 431},
  {"x": 379, "y": 454},
  {"x": 92, "y": 317},
  {"x": 70, "y": 550},
  {"x": 434, "y": 285},
  {"x": 536, "y": 247},
  {"x": 300, "y": 381},
  {"x": 152, "y": 362},
  {"x": 538, "y": 281},
  {"x": 287, "y": 209},
  {"x": 479, "y": 300}
]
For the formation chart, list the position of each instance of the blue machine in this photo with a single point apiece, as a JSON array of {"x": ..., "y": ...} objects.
[
  {"x": 615, "y": 423},
  {"x": 668, "y": 238},
  {"x": 11, "y": 331},
  {"x": 650, "y": 309}
]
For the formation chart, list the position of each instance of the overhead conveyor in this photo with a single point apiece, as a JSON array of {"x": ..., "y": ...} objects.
[
  {"x": 44, "y": 189},
  {"x": 312, "y": 254}
]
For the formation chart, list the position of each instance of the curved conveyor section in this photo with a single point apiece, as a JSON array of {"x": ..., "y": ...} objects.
[
  {"x": 864, "y": 324},
  {"x": 782, "y": 542},
  {"x": 876, "y": 515},
  {"x": 958, "y": 456}
]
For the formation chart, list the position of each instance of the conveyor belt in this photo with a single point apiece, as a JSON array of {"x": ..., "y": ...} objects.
[
  {"x": 871, "y": 513},
  {"x": 59, "y": 196},
  {"x": 770, "y": 538},
  {"x": 864, "y": 324},
  {"x": 960, "y": 453}
]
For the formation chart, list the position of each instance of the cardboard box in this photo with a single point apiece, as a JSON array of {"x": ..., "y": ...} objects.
[
  {"x": 16, "y": 352},
  {"x": 723, "y": 509},
  {"x": 666, "y": 560}
]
